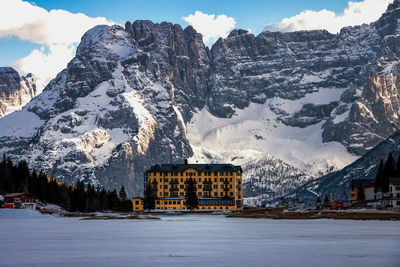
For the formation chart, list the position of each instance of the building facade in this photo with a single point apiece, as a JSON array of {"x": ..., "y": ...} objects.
[
  {"x": 20, "y": 201},
  {"x": 218, "y": 186},
  {"x": 368, "y": 187},
  {"x": 394, "y": 190}
]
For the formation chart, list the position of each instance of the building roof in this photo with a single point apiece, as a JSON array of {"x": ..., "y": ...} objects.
[
  {"x": 197, "y": 167},
  {"x": 19, "y": 194},
  {"x": 395, "y": 180},
  {"x": 363, "y": 182}
]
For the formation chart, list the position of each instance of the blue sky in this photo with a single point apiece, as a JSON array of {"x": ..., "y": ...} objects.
[{"x": 254, "y": 15}]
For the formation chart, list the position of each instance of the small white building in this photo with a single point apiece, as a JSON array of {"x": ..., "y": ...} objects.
[{"x": 394, "y": 190}]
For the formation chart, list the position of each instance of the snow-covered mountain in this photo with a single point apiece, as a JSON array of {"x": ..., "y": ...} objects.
[
  {"x": 16, "y": 91},
  {"x": 288, "y": 107}
]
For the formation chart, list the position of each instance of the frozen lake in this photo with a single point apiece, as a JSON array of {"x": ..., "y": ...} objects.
[{"x": 196, "y": 240}]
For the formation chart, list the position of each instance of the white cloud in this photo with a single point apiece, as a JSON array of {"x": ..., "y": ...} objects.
[
  {"x": 210, "y": 26},
  {"x": 58, "y": 31},
  {"x": 356, "y": 13},
  {"x": 45, "y": 63},
  {"x": 35, "y": 24}
]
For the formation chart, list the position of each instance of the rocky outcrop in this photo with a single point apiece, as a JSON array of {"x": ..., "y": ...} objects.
[
  {"x": 299, "y": 104},
  {"x": 119, "y": 106},
  {"x": 362, "y": 59},
  {"x": 15, "y": 91}
]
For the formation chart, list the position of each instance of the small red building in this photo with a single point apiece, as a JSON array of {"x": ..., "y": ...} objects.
[{"x": 20, "y": 201}]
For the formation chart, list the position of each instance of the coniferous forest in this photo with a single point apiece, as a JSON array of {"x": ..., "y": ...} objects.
[{"x": 18, "y": 178}]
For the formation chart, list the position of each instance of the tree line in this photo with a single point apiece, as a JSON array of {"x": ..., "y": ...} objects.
[{"x": 17, "y": 178}]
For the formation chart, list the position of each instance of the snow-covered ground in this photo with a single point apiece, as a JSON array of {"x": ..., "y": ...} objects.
[{"x": 195, "y": 240}]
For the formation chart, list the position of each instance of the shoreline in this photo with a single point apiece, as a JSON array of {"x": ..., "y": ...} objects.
[{"x": 279, "y": 214}]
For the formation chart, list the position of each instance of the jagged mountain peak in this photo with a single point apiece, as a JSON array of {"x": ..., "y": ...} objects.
[
  {"x": 393, "y": 6},
  {"x": 16, "y": 90},
  {"x": 305, "y": 103}
]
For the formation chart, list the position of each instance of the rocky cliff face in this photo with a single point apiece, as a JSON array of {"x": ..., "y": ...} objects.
[
  {"x": 15, "y": 91},
  {"x": 361, "y": 62},
  {"x": 119, "y": 106},
  {"x": 289, "y": 107}
]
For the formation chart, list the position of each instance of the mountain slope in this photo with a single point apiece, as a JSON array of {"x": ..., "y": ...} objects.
[
  {"x": 16, "y": 91},
  {"x": 365, "y": 167},
  {"x": 289, "y": 107}
]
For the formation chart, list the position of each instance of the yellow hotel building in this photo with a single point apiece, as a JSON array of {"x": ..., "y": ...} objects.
[{"x": 218, "y": 186}]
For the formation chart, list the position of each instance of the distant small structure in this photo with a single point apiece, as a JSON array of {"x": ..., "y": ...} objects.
[
  {"x": 137, "y": 203},
  {"x": 367, "y": 194},
  {"x": 20, "y": 201},
  {"x": 394, "y": 190}
]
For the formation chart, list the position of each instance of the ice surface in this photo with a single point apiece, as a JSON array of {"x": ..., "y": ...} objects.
[{"x": 200, "y": 240}]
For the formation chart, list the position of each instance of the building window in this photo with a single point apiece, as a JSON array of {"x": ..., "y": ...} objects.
[
  {"x": 222, "y": 194},
  {"x": 215, "y": 180},
  {"x": 397, "y": 187},
  {"x": 230, "y": 186},
  {"x": 221, "y": 179},
  {"x": 165, "y": 186},
  {"x": 199, "y": 194},
  {"x": 231, "y": 174},
  {"x": 230, "y": 179},
  {"x": 181, "y": 180},
  {"x": 216, "y": 173},
  {"x": 199, "y": 173},
  {"x": 160, "y": 186},
  {"x": 137, "y": 202},
  {"x": 160, "y": 194},
  {"x": 181, "y": 194},
  {"x": 181, "y": 186},
  {"x": 166, "y": 180},
  {"x": 166, "y": 194},
  {"x": 215, "y": 194},
  {"x": 215, "y": 186},
  {"x": 160, "y": 180},
  {"x": 199, "y": 186},
  {"x": 231, "y": 194},
  {"x": 222, "y": 186},
  {"x": 174, "y": 202},
  {"x": 199, "y": 179}
]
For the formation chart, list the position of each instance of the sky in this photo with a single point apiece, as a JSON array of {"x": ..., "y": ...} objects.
[{"x": 41, "y": 36}]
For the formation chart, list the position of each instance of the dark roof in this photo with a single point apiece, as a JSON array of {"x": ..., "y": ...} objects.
[
  {"x": 19, "y": 194},
  {"x": 395, "y": 180},
  {"x": 197, "y": 167},
  {"x": 363, "y": 182}
]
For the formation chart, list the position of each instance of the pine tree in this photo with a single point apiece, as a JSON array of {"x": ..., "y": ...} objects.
[
  {"x": 191, "y": 195},
  {"x": 360, "y": 193},
  {"x": 379, "y": 177},
  {"x": 122, "y": 193},
  {"x": 326, "y": 201},
  {"x": 388, "y": 171},
  {"x": 149, "y": 202}
]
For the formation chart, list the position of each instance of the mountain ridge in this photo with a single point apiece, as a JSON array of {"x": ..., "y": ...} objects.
[{"x": 299, "y": 104}]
